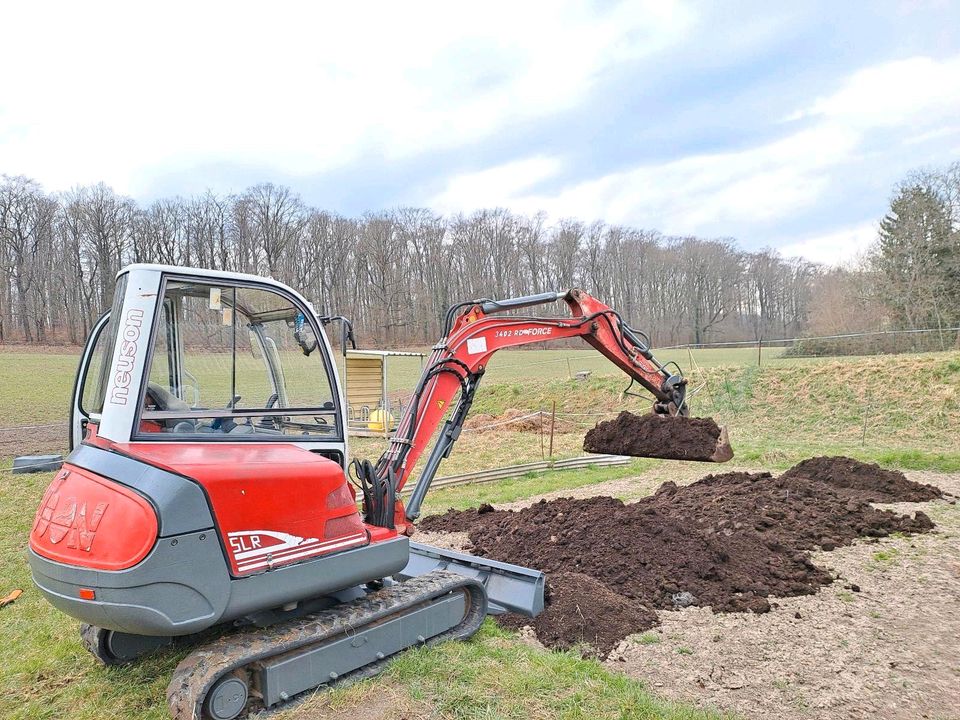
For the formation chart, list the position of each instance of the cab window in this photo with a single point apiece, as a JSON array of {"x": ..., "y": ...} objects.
[
  {"x": 96, "y": 374},
  {"x": 236, "y": 362}
]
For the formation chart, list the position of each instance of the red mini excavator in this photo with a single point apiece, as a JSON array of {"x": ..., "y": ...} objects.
[{"x": 208, "y": 485}]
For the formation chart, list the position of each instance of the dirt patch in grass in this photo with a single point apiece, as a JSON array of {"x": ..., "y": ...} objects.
[
  {"x": 867, "y": 482},
  {"x": 515, "y": 420},
  {"x": 656, "y": 436},
  {"x": 728, "y": 541},
  {"x": 33, "y": 440}
]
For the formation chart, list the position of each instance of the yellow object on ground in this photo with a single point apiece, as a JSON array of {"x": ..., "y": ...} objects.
[{"x": 379, "y": 418}]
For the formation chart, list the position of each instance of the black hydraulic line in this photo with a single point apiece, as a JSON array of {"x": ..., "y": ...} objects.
[{"x": 444, "y": 445}]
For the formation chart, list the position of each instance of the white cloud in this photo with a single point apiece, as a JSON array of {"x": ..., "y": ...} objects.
[
  {"x": 894, "y": 94},
  {"x": 699, "y": 194},
  {"x": 120, "y": 91},
  {"x": 834, "y": 248},
  {"x": 489, "y": 187},
  {"x": 767, "y": 185}
]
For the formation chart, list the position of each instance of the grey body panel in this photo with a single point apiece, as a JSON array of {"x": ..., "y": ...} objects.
[
  {"x": 36, "y": 463},
  {"x": 510, "y": 588},
  {"x": 288, "y": 675},
  {"x": 317, "y": 577},
  {"x": 180, "y": 503},
  {"x": 183, "y": 585}
]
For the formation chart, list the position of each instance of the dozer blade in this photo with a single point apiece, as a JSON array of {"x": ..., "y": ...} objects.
[
  {"x": 667, "y": 437},
  {"x": 510, "y": 588}
]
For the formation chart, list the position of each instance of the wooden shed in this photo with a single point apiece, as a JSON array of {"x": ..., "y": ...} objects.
[{"x": 365, "y": 372}]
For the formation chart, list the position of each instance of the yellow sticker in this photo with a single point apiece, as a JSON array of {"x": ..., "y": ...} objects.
[
  {"x": 440, "y": 404},
  {"x": 227, "y": 318}
]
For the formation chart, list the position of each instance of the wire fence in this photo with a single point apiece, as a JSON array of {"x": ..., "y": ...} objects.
[
  {"x": 880, "y": 342},
  {"x": 693, "y": 357}
]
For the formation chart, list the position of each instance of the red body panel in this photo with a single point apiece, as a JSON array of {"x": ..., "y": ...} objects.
[
  {"x": 274, "y": 504},
  {"x": 91, "y": 521}
]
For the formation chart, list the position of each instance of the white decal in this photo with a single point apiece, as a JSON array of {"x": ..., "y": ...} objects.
[
  {"x": 526, "y": 332},
  {"x": 476, "y": 345},
  {"x": 253, "y": 549},
  {"x": 125, "y": 357},
  {"x": 253, "y": 543}
]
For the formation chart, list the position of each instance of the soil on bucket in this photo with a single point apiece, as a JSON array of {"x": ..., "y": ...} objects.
[
  {"x": 653, "y": 435},
  {"x": 728, "y": 541}
]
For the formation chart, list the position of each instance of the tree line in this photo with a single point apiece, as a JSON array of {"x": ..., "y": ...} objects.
[{"x": 395, "y": 272}]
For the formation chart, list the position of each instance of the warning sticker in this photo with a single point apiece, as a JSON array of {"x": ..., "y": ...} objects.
[{"x": 477, "y": 345}]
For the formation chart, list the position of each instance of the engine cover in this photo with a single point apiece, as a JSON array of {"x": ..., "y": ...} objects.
[{"x": 274, "y": 504}]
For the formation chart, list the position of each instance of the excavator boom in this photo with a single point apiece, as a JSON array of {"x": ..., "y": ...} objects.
[{"x": 473, "y": 332}]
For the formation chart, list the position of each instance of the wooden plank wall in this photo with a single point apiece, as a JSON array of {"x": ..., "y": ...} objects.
[{"x": 364, "y": 383}]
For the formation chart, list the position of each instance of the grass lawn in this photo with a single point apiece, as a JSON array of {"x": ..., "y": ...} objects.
[
  {"x": 902, "y": 411},
  {"x": 46, "y": 674}
]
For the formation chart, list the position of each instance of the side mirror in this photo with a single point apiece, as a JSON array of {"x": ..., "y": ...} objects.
[{"x": 346, "y": 333}]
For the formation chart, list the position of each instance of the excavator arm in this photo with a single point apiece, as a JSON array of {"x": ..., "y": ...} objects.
[{"x": 473, "y": 332}]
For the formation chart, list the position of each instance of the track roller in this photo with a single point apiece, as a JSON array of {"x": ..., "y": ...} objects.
[
  {"x": 228, "y": 697},
  {"x": 112, "y": 647}
]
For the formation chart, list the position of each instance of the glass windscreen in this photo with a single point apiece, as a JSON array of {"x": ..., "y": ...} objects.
[
  {"x": 236, "y": 361},
  {"x": 97, "y": 374}
]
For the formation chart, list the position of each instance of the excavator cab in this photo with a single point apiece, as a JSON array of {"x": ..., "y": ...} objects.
[{"x": 221, "y": 360}]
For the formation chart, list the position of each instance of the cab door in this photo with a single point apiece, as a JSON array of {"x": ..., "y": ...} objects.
[{"x": 91, "y": 380}]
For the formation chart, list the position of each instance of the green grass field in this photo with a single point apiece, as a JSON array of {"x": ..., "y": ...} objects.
[
  {"x": 36, "y": 386},
  {"x": 902, "y": 411},
  {"x": 47, "y": 675}
]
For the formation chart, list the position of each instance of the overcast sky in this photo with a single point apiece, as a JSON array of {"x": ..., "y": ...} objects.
[{"x": 778, "y": 124}]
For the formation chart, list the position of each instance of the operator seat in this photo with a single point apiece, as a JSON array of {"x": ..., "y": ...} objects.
[{"x": 158, "y": 397}]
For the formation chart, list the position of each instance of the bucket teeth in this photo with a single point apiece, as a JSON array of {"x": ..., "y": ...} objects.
[{"x": 724, "y": 451}]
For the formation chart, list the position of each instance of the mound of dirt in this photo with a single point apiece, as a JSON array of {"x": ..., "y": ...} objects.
[
  {"x": 867, "y": 482},
  {"x": 513, "y": 420},
  {"x": 580, "y": 610},
  {"x": 728, "y": 541},
  {"x": 654, "y": 435}
]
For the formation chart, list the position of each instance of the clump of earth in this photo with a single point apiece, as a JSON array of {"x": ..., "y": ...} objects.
[
  {"x": 675, "y": 437},
  {"x": 729, "y": 542}
]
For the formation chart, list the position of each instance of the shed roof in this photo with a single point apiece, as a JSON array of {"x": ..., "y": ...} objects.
[{"x": 383, "y": 353}]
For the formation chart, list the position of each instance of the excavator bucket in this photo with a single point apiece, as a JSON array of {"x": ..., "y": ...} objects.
[{"x": 668, "y": 437}]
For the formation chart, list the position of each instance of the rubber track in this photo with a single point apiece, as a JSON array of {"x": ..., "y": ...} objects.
[{"x": 199, "y": 671}]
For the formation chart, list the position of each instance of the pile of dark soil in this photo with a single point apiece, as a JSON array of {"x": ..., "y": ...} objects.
[
  {"x": 656, "y": 436},
  {"x": 582, "y": 611},
  {"x": 727, "y": 541},
  {"x": 862, "y": 481}
]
